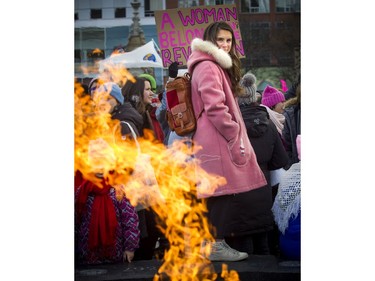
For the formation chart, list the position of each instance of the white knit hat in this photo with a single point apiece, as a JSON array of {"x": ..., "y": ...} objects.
[{"x": 248, "y": 83}]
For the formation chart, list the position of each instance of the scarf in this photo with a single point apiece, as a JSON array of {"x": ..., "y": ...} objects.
[
  {"x": 159, "y": 134},
  {"x": 287, "y": 202},
  {"x": 103, "y": 222},
  {"x": 277, "y": 119}
]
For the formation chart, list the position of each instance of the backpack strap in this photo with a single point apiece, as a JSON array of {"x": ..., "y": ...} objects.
[{"x": 191, "y": 77}]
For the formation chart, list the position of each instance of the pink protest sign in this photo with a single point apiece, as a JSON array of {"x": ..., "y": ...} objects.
[
  {"x": 284, "y": 86},
  {"x": 178, "y": 27}
]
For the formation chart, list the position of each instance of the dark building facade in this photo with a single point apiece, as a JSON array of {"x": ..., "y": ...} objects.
[{"x": 272, "y": 39}]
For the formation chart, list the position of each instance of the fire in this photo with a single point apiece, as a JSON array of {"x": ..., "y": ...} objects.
[
  {"x": 99, "y": 148},
  {"x": 97, "y": 51}
]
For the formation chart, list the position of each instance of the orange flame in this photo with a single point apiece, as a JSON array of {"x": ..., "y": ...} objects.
[
  {"x": 99, "y": 148},
  {"x": 97, "y": 51}
]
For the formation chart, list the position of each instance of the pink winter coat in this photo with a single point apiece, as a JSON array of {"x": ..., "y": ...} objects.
[{"x": 226, "y": 149}]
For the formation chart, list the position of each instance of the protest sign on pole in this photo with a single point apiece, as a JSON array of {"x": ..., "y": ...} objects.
[{"x": 178, "y": 27}]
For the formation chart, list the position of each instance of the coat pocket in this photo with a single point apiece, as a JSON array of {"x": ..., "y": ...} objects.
[{"x": 238, "y": 154}]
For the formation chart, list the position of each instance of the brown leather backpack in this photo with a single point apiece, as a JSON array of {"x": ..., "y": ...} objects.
[{"x": 180, "y": 112}]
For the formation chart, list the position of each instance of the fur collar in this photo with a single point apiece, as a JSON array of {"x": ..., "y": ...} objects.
[{"x": 221, "y": 57}]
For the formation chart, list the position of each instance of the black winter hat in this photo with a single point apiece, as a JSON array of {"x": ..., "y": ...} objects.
[{"x": 173, "y": 70}]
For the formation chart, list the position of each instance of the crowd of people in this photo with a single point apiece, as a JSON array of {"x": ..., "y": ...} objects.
[{"x": 251, "y": 139}]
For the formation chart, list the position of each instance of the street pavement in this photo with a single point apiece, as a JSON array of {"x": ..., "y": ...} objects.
[{"x": 255, "y": 268}]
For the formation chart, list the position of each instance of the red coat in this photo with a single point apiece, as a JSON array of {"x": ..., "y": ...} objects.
[{"x": 220, "y": 129}]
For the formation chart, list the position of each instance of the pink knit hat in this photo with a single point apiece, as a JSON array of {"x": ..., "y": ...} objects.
[{"x": 272, "y": 96}]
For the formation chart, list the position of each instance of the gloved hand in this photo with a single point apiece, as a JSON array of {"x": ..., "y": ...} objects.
[{"x": 173, "y": 70}]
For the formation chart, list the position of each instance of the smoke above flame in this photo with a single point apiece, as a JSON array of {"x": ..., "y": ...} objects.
[{"x": 99, "y": 148}]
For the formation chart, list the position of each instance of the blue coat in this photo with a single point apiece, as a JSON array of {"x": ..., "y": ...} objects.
[{"x": 290, "y": 241}]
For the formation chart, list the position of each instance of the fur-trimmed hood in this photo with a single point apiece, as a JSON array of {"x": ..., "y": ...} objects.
[{"x": 206, "y": 50}]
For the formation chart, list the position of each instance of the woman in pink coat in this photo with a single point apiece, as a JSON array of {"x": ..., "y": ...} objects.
[{"x": 225, "y": 147}]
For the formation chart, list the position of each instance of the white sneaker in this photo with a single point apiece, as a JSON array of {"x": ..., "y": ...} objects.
[{"x": 221, "y": 251}]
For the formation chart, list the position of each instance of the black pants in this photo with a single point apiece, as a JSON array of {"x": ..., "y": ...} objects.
[
  {"x": 149, "y": 235},
  {"x": 218, "y": 210},
  {"x": 254, "y": 244}
]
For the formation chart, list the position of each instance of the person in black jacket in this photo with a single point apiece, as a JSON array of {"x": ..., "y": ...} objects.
[
  {"x": 292, "y": 126},
  {"x": 250, "y": 226}
]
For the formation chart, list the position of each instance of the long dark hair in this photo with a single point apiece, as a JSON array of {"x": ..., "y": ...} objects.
[
  {"x": 210, "y": 34},
  {"x": 133, "y": 93}
]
